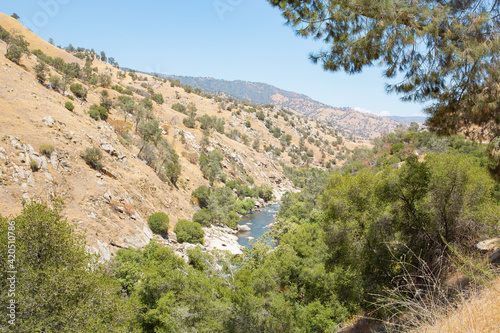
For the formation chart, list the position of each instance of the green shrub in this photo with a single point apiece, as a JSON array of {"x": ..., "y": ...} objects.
[
  {"x": 128, "y": 91},
  {"x": 46, "y": 150},
  {"x": 266, "y": 192},
  {"x": 58, "y": 84},
  {"x": 248, "y": 204},
  {"x": 41, "y": 71},
  {"x": 158, "y": 98},
  {"x": 47, "y": 246},
  {"x": 179, "y": 107},
  {"x": 232, "y": 219},
  {"x": 189, "y": 122},
  {"x": 71, "y": 97},
  {"x": 158, "y": 223},
  {"x": 17, "y": 47},
  {"x": 98, "y": 112},
  {"x": 69, "y": 106},
  {"x": 93, "y": 157},
  {"x": 396, "y": 148},
  {"x": 189, "y": 232},
  {"x": 117, "y": 88},
  {"x": 202, "y": 193},
  {"x": 203, "y": 217},
  {"x": 4, "y": 34},
  {"x": 34, "y": 165},
  {"x": 78, "y": 90},
  {"x": 260, "y": 115}
]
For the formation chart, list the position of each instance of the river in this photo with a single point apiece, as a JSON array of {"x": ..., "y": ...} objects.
[{"x": 258, "y": 222}]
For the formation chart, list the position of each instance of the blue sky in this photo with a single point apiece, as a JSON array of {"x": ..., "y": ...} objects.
[{"x": 224, "y": 39}]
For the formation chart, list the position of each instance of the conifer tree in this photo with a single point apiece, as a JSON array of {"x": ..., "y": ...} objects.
[{"x": 446, "y": 51}]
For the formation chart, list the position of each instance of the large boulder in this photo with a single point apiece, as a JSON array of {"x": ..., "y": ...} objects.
[{"x": 243, "y": 228}]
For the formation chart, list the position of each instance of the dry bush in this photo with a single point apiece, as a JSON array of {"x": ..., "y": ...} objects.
[
  {"x": 428, "y": 302},
  {"x": 122, "y": 207},
  {"x": 119, "y": 125},
  {"x": 478, "y": 313},
  {"x": 192, "y": 157}
]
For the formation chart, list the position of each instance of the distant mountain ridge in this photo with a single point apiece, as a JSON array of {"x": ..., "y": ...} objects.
[
  {"x": 407, "y": 120},
  {"x": 362, "y": 125}
]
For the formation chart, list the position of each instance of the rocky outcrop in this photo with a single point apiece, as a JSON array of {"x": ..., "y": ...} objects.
[{"x": 222, "y": 238}]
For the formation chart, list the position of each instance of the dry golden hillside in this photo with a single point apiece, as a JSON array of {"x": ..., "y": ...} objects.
[
  {"x": 111, "y": 207},
  {"x": 14, "y": 26},
  {"x": 349, "y": 121}
]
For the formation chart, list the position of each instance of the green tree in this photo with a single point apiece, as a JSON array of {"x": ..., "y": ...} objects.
[
  {"x": 168, "y": 161},
  {"x": 189, "y": 232},
  {"x": 58, "y": 84},
  {"x": 141, "y": 114},
  {"x": 14, "y": 15},
  {"x": 106, "y": 103},
  {"x": 16, "y": 47},
  {"x": 210, "y": 165},
  {"x": 104, "y": 80},
  {"x": 150, "y": 131},
  {"x": 59, "y": 285},
  {"x": 158, "y": 98},
  {"x": 179, "y": 107},
  {"x": 260, "y": 115},
  {"x": 203, "y": 194},
  {"x": 78, "y": 90},
  {"x": 203, "y": 217},
  {"x": 158, "y": 223},
  {"x": 190, "y": 121},
  {"x": 69, "y": 106},
  {"x": 127, "y": 105},
  {"x": 98, "y": 112},
  {"x": 446, "y": 51},
  {"x": 256, "y": 144},
  {"x": 4, "y": 34},
  {"x": 41, "y": 71},
  {"x": 93, "y": 157}
]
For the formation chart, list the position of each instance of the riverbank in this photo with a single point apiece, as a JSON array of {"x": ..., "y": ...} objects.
[
  {"x": 256, "y": 224},
  {"x": 252, "y": 226}
]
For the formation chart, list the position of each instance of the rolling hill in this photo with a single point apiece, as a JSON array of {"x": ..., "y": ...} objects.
[
  {"x": 348, "y": 120},
  {"x": 46, "y": 129}
]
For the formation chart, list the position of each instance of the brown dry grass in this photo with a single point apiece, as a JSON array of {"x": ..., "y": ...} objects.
[
  {"x": 480, "y": 313},
  {"x": 461, "y": 298},
  {"x": 12, "y": 25}
]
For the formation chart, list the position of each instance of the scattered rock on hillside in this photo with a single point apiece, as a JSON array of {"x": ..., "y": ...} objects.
[
  {"x": 109, "y": 149},
  {"x": 107, "y": 196},
  {"x": 48, "y": 121}
]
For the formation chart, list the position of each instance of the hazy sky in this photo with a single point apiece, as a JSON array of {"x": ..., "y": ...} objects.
[{"x": 224, "y": 39}]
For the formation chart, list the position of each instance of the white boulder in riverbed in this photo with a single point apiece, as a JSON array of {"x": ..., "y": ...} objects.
[
  {"x": 242, "y": 228},
  {"x": 222, "y": 238}
]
